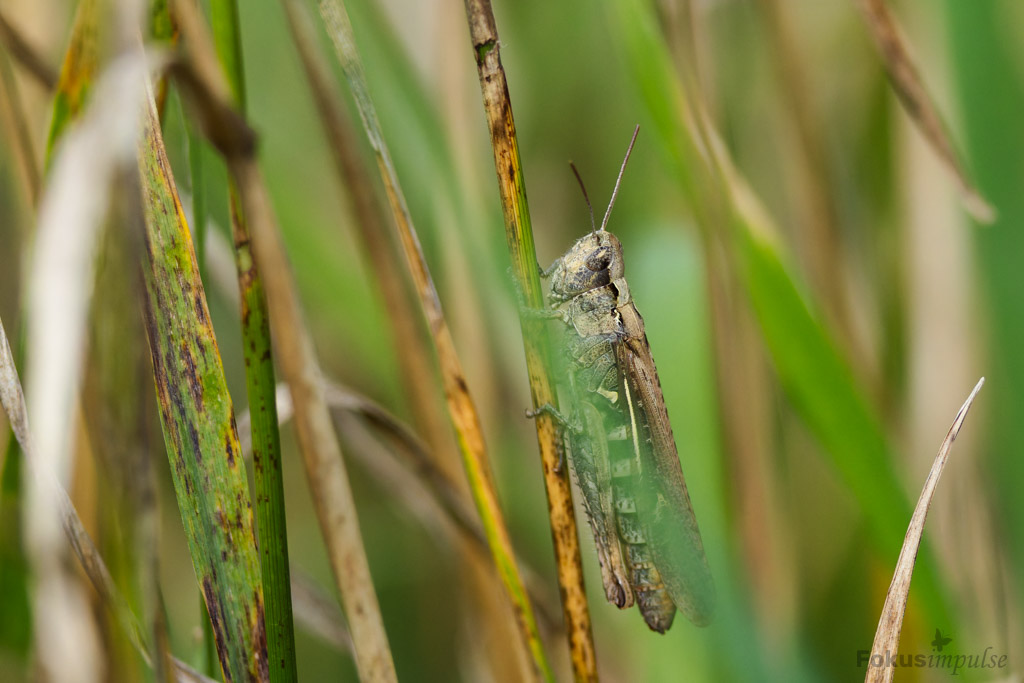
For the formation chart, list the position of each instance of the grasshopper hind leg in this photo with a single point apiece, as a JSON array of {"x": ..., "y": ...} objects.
[
  {"x": 652, "y": 596},
  {"x": 593, "y": 477}
]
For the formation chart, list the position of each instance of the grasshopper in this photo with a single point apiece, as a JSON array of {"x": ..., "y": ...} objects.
[{"x": 619, "y": 439}]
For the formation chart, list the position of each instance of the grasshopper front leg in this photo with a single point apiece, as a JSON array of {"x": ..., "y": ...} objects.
[
  {"x": 572, "y": 426},
  {"x": 554, "y": 414},
  {"x": 542, "y": 313},
  {"x": 546, "y": 273},
  {"x": 528, "y": 312}
]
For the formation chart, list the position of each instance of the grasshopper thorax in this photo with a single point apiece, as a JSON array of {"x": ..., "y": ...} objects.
[{"x": 595, "y": 260}]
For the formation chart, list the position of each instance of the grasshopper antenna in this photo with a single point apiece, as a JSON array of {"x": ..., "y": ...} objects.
[
  {"x": 593, "y": 226},
  {"x": 622, "y": 170}
]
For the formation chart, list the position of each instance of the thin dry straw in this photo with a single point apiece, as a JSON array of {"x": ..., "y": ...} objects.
[
  {"x": 909, "y": 88},
  {"x": 27, "y": 55},
  {"x": 18, "y": 130},
  {"x": 890, "y": 623}
]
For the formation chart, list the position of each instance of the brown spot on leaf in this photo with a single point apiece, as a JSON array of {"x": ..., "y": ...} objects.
[
  {"x": 191, "y": 376},
  {"x": 216, "y": 614},
  {"x": 260, "y": 638},
  {"x": 200, "y": 306},
  {"x": 193, "y": 437}
]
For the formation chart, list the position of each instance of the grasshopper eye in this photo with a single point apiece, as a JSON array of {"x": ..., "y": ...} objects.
[{"x": 599, "y": 259}]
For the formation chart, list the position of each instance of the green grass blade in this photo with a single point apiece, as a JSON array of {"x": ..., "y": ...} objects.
[
  {"x": 260, "y": 386},
  {"x": 270, "y": 503},
  {"x": 198, "y": 424},
  {"x": 16, "y": 616},
  {"x": 227, "y": 40}
]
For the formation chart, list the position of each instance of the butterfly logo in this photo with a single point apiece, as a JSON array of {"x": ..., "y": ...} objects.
[{"x": 939, "y": 641}]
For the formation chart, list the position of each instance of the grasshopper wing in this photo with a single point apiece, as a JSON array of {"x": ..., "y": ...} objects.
[{"x": 663, "y": 501}]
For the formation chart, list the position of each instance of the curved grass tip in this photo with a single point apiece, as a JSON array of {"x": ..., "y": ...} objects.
[{"x": 890, "y": 623}]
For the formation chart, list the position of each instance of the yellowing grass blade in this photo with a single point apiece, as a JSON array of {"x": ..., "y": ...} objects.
[
  {"x": 77, "y": 72},
  {"x": 198, "y": 423}
]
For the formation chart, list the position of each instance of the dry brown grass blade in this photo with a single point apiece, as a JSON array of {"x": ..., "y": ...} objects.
[
  {"x": 18, "y": 132},
  {"x": 519, "y": 236},
  {"x": 325, "y": 469},
  {"x": 906, "y": 81},
  {"x": 419, "y": 476},
  {"x": 26, "y": 54},
  {"x": 887, "y": 636}
]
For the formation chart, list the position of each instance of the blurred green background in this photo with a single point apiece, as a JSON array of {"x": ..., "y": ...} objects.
[{"x": 917, "y": 303}]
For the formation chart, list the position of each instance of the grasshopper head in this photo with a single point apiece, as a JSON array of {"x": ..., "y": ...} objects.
[
  {"x": 594, "y": 261},
  {"x": 596, "y": 258}
]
